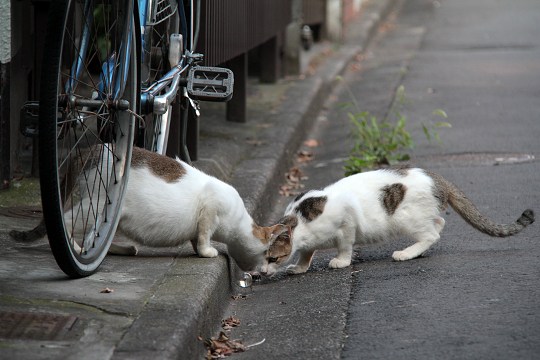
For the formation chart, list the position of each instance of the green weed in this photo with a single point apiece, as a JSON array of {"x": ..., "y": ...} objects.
[{"x": 384, "y": 142}]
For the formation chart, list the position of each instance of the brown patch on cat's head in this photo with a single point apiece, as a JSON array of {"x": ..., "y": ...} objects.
[
  {"x": 279, "y": 250},
  {"x": 392, "y": 196},
  {"x": 162, "y": 166},
  {"x": 280, "y": 245},
  {"x": 268, "y": 234},
  {"x": 311, "y": 207}
]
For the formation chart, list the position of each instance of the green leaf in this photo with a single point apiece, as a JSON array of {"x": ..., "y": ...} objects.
[
  {"x": 441, "y": 113},
  {"x": 443, "y": 124},
  {"x": 344, "y": 105},
  {"x": 426, "y": 132},
  {"x": 352, "y": 118},
  {"x": 404, "y": 157}
]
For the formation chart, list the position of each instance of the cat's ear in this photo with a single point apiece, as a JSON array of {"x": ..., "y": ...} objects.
[
  {"x": 279, "y": 231},
  {"x": 279, "y": 244}
]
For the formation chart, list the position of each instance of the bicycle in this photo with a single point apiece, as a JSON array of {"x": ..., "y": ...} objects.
[{"x": 110, "y": 74}]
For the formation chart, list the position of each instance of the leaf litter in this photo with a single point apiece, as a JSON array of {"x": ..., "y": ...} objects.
[
  {"x": 304, "y": 156},
  {"x": 295, "y": 176},
  {"x": 230, "y": 323},
  {"x": 239, "y": 297},
  {"x": 293, "y": 183},
  {"x": 311, "y": 143},
  {"x": 222, "y": 345}
]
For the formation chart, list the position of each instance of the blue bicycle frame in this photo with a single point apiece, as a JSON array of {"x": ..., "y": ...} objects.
[{"x": 122, "y": 59}]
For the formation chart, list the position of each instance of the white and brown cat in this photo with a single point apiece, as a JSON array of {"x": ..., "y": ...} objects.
[
  {"x": 168, "y": 202},
  {"x": 375, "y": 206}
]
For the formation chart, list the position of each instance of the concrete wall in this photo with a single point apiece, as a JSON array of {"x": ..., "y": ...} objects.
[
  {"x": 5, "y": 31},
  {"x": 334, "y": 28},
  {"x": 338, "y": 14},
  {"x": 292, "y": 40}
]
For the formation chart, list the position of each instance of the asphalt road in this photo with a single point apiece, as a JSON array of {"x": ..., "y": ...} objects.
[{"x": 470, "y": 296}]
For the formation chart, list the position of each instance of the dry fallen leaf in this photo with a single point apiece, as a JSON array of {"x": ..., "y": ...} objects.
[
  {"x": 222, "y": 346},
  {"x": 311, "y": 143},
  {"x": 239, "y": 297},
  {"x": 355, "y": 67},
  {"x": 304, "y": 156},
  {"x": 254, "y": 142},
  {"x": 230, "y": 323},
  {"x": 293, "y": 178},
  {"x": 106, "y": 291},
  {"x": 294, "y": 175},
  {"x": 285, "y": 190}
]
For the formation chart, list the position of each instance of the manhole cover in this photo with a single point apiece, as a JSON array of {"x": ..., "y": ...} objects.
[
  {"x": 487, "y": 159},
  {"x": 513, "y": 159},
  {"x": 34, "y": 326}
]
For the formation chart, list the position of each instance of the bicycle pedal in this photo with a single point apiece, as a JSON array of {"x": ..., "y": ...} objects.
[
  {"x": 210, "y": 83},
  {"x": 29, "y": 119}
]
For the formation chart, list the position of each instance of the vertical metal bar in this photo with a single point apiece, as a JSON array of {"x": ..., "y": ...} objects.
[
  {"x": 269, "y": 60},
  {"x": 78, "y": 65},
  {"x": 192, "y": 17},
  {"x": 236, "y": 107},
  {"x": 124, "y": 57},
  {"x": 175, "y": 129}
]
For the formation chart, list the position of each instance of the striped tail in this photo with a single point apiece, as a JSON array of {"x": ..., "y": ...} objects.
[{"x": 468, "y": 211}]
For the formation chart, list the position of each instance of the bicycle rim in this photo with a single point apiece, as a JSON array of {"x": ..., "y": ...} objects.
[{"x": 88, "y": 97}]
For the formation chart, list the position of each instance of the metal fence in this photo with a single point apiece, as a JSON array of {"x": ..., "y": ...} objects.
[
  {"x": 313, "y": 11},
  {"x": 230, "y": 28}
]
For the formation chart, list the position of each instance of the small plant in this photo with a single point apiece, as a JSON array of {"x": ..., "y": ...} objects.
[
  {"x": 430, "y": 130},
  {"x": 377, "y": 142},
  {"x": 384, "y": 142}
]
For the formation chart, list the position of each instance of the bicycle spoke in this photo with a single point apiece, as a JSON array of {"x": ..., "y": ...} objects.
[{"x": 86, "y": 136}]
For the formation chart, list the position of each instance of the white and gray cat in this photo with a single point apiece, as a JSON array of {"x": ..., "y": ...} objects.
[
  {"x": 167, "y": 203},
  {"x": 375, "y": 206}
]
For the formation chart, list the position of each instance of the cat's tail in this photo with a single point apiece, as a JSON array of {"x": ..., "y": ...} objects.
[{"x": 468, "y": 211}]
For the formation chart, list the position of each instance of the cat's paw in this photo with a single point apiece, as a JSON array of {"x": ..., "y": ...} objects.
[
  {"x": 207, "y": 252},
  {"x": 401, "y": 256},
  {"x": 296, "y": 269},
  {"x": 337, "y": 263},
  {"x": 132, "y": 250}
]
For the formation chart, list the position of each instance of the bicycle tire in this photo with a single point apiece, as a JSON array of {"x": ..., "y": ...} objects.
[
  {"x": 86, "y": 127},
  {"x": 155, "y": 65}
]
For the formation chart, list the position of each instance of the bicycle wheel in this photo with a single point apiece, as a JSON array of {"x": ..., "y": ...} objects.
[
  {"x": 163, "y": 21},
  {"x": 89, "y": 96}
]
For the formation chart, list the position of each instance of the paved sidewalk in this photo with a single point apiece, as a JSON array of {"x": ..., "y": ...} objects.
[{"x": 163, "y": 300}]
